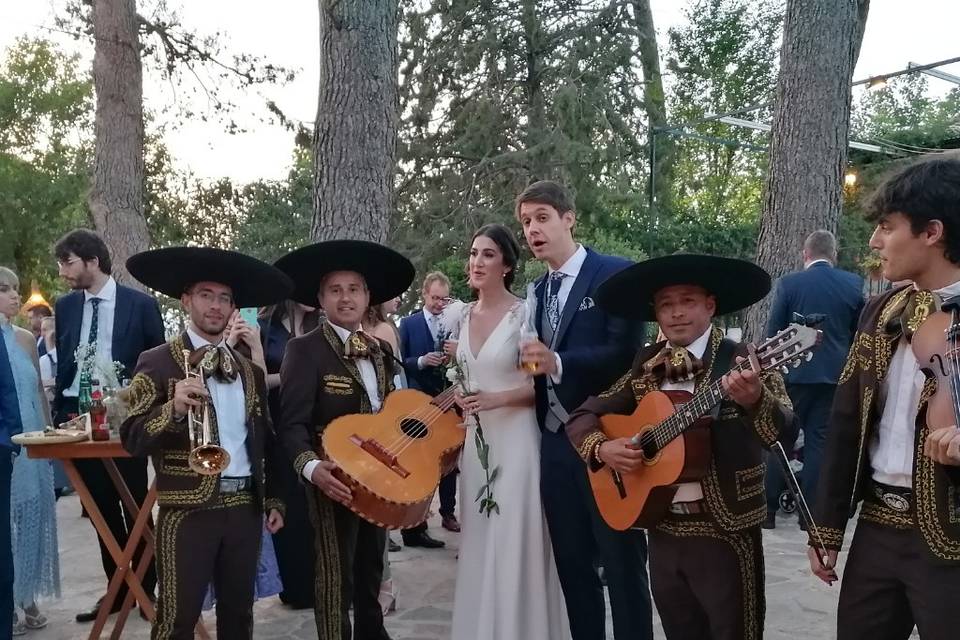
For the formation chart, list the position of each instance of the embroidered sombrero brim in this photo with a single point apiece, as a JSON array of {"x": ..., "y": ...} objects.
[
  {"x": 736, "y": 284},
  {"x": 388, "y": 274},
  {"x": 174, "y": 269}
]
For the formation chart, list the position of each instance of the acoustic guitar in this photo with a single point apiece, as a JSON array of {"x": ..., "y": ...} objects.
[
  {"x": 671, "y": 430},
  {"x": 393, "y": 460}
]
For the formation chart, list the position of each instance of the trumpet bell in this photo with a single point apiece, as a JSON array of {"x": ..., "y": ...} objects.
[{"x": 209, "y": 460}]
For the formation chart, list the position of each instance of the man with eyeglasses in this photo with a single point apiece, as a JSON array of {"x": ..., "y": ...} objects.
[{"x": 119, "y": 323}]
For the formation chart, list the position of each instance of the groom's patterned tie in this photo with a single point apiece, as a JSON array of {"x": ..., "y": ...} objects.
[{"x": 553, "y": 299}]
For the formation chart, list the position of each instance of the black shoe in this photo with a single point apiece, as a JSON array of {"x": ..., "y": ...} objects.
[
  {"x": 392, "y": 546},
  {"x": 423, "y": 539},
  {"x": 91, "y": 615},
  {"x": 771, "y": 520}
]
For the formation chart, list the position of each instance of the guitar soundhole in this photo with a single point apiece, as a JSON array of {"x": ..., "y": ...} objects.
[
  {"x": 413, "y": 428},
  {"x": 649, "y": 447}
]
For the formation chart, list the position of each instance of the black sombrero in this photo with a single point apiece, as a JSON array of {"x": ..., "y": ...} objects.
[
  {"x": 735, "y": 283},
  {"x": 388, "y": 274},
  {"x": 172, "y": 270}
]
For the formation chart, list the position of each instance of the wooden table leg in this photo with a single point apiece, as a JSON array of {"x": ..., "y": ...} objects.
[
  {"x": 96, "y": 517},
  {"x": 141, "y": 532},
  {"x": 140, "y": 528}
]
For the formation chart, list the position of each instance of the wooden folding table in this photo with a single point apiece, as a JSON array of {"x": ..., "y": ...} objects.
[{"x": 142, "y": 532}]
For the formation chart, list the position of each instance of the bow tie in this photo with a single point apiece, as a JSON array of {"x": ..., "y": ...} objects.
[
  {"x": 360, "y": 345},
  {"x": 907, "y": 316},
  {"x": 216, "y": 361},
  {"x": 674, "y": 364}
]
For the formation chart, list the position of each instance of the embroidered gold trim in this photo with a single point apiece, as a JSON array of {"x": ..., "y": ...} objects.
[
  {"x": 724, "y": 516},
  {"x": 168, "y": 525},
  {"x": 328, "y": 580},
  {"x": 142, "y": 393},
  {"x": 866, "y": 402},
  {"x": 617, "y": 386},
  {"x": 747, "y": 482},
  {"x": 925, "y": 489},
  {"x": 163, "y": 419},
  {"x": 585, "y": 450},
  {"x": 750, "y": 563},
  {"x": 275, "y": 503},
  {"x": 301, "y": 461},
  {"x": 832, "y": 538},
  {"x": 884, "y": 515}
]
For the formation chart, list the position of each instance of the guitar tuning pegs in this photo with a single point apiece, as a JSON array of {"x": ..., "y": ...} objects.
[
  {"x": 808, "y": 356},
  {"x": 796, "y": 363},
  {"x": 784, "y": 370}
]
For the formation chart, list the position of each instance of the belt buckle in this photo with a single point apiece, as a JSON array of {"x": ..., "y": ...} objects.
[
  {"x": 896, "y": 502},
  {"x": 231, "y": 485}
]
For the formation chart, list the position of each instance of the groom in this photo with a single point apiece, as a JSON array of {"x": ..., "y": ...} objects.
[{"x": 581, "y": 352}]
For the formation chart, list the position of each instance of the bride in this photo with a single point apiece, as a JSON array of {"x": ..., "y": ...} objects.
[{"x": 507, "y": 585}]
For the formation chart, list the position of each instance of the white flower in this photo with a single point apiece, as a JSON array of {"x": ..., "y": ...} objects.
[
  {"x": 451, "y": 316},
  {"x": 452, "y": 375}
]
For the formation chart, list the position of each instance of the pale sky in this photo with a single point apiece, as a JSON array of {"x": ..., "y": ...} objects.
[{"x": 897, "y": 32}]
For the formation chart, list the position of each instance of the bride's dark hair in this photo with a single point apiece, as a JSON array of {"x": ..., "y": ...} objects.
[{"x": 508, "y": 245}]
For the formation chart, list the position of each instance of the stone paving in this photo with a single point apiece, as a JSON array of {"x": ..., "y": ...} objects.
[{"x": 798, "y": 606}]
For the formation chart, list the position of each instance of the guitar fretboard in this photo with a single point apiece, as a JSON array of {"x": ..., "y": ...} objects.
[{"x": 688, "y": 413}]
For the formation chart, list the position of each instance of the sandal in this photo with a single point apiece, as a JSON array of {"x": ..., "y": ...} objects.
[
  {"x": 38, "y": 621},
  {"x": 34, "y": 620},
  {"x": 19, "y": 629},
  {"x": 387, "y": 597}
]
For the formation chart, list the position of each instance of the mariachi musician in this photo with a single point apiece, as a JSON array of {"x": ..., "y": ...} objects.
[
  {"x": 706, "y": 557},
  {"x": 333, "y": 371},
  {"x": 208, "y": 437}
]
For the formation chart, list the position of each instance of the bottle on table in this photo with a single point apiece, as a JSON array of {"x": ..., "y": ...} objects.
[
  {"x": 98, "y": 414},
  {"x": 84, "y": 396}
]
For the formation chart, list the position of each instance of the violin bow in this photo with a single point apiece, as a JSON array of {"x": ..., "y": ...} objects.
[{"x": 794, "y": 487}]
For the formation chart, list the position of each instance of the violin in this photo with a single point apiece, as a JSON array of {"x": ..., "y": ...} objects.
[{"x": 936, "y": 345}]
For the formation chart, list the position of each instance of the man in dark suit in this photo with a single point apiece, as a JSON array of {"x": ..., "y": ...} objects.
[
  {"x": 421, "y": 343},
  {"x": 819, "y": 290},
  {"x": 581, "y": 352},
  {"x": 121, "y": 323}
]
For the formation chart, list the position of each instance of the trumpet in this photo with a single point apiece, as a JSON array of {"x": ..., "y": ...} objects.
[{"x": 205, "y": 458}]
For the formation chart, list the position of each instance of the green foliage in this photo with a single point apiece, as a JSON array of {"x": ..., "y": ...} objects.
[
  {"x": 497, "y": 94},
  {"x": 725, "y": 58},
  {"x": 45, "y": 111}
]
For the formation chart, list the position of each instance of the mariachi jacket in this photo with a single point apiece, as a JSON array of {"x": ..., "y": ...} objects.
[
  {"x": 318, "y": 384},
  {"x": 733, "y": 486},
  {"x": 151, "y": 430},
  {"x": 857, "y": 407}
]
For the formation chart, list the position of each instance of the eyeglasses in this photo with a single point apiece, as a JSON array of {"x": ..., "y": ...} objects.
[{"x": 67, "y": 263}]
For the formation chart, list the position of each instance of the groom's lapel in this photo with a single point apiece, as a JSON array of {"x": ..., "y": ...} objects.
[{"x": 580, "y": 287}]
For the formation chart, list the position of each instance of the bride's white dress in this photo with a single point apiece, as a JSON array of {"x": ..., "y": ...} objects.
[{"x": 507, "y": 585}]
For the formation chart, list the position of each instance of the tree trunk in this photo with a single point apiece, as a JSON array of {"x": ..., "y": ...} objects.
[
  {"x": 655, "y": 106},
  {"x": 117, "y": 184},
  {"x": 808, "y": 142},
  {"x": 355, "y": 137}
]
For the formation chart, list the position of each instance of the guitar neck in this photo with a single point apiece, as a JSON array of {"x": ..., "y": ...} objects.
[{"x": 689, "y": 412}]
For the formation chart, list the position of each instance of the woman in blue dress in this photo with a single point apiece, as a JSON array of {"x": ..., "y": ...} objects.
[{"x": 32, "y": 502}]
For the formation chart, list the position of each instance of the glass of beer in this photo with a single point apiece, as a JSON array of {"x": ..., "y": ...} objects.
[{"x": 528, "y": 330}]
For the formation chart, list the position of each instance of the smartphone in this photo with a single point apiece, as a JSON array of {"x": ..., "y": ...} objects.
[{"x": 249, "y": 315}]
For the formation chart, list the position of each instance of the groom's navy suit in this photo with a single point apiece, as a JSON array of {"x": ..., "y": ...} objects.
[{"x": 595, "y": 349}]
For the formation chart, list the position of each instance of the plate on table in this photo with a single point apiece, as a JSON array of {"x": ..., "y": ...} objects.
[{"x": 52, "y": 436}]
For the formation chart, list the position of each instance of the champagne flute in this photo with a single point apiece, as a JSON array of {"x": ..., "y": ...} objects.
[{"x": 528, "y": 330}]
